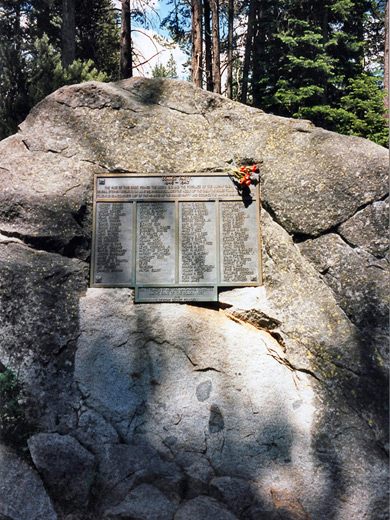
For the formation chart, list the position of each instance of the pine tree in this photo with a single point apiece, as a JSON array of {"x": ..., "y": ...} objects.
[
  {"x": 96, "y": 30},
  {"x": 305, "y": 69},
  {"x": 45, "y": 72},
  {"x": 172, "y": 68},
  {"x": 363, "y": 109},
  {"x": 159, "y": 71},
  {"x": 308, "y": 61},
  {"x": 97, "y": 35},
  {"x": 386, "y": 59},
  {"x": 30, "y": 52},
  {"x": 165, "y": 71},
  {"x": 13, "y": 74}
]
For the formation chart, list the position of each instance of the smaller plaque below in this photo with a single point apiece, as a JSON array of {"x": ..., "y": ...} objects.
[{"x": 176, "y": 294}]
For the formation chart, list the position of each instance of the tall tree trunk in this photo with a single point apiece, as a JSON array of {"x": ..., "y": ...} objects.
[
  {"x": 207, "y": 39},
  {"x": 229, "y": 89},
  {"x": 258, "y": 57},
  {"x": 126, "y": 63},
  {"x": 248, "y": 50},
  {"x": 386, "y": 77},
  {"x": 17, "y": 32},
  {"x": 325, "y": 39},
  {"x": 196, "y": 38},
  {"x": 68, "y": 32},
  {"x": 215, "y": 41}
]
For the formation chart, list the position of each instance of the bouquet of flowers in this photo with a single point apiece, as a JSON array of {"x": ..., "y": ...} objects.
[{"x": 246, "y": 175}]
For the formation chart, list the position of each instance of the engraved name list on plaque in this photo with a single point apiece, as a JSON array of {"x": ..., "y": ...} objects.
[{"x": 174, "y": 238}]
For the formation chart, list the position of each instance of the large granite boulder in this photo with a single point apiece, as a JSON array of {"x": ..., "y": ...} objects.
[{"x": 270, "y": 405}]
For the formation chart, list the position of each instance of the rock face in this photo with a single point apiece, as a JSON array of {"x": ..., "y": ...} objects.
[
  {"x": 67, "y": 468},
  {"x": 22, "y": 494},
  {"x": 272, "y": 405}
]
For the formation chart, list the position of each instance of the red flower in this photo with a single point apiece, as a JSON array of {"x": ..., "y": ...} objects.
[{"x": 244, "y": 174}]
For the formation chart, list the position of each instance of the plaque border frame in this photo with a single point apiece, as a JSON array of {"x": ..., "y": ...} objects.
[{"x": 175, "y": 200}]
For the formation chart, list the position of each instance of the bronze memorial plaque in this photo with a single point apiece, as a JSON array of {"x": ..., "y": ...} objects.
[{"x": 175, "y": 238}]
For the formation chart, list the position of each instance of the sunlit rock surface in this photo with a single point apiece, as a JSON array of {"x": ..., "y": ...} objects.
[{"x": 272, "y": 405}]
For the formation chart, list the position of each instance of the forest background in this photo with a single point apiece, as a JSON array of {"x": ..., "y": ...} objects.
[{"x": 326, "y": 61}]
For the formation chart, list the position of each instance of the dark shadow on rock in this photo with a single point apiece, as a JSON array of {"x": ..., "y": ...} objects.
[
  {"x": 178, "y": 471},
  {"x": 148, "y": 91},
  {"x": 243, "y": 191},
  {"x": 216, "y": 422},
  {"x": 39, "y": 295},
  {"x": 63, "y": 227}
]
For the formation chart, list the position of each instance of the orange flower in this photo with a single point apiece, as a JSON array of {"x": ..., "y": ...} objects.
[{"x": 245, "y": 174}]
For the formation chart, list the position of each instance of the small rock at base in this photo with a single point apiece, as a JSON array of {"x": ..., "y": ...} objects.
[
  {"x": 204, "y": 508},
  {"x": 23, "y": 496},
  {"x": 145, "y": 502}
]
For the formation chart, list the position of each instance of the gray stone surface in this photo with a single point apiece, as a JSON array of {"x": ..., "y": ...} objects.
[
  {"x": 94, "y": 432},
  {"x": 204, "y": 508},
  {"x": 39, "y": 298},
  {"x": 358, "y": 280},
  {"x": 281, "y": 390},
  {"x": 198, "y": 473},
  {"x": 237, "y": 493},
  {"x": 314, "y": 180},
  {"x": 122, "y": 467},
  {"x": 22, "y": 495},
  {"x": 145, "y": 502},
  {"x": 176, "y": 365},
  {"x": 120, "y": 461},
  {"x": 369, "y": 228},
  {"x": 67, "y": 468}
]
